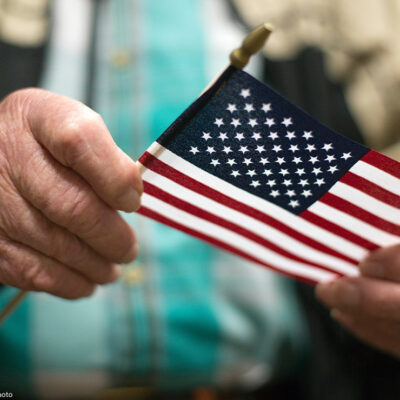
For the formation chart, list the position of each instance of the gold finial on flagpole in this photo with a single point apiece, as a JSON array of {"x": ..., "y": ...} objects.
[{"x": 252, "y": 43}]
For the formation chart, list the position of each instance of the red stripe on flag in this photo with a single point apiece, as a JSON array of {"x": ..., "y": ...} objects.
[
  {"x": 382, "y": 162},
  {"x": 370, "y": 188},
  {"x": 167, "y": 171},
  {"x": 357, "y": 212},
  {"x": 215, "y": 242},
  {"x": 214, "y": 219},
  {"x": 338, "y": 230}
]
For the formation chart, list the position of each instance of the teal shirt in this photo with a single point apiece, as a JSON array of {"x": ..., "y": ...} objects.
[{"x": 184, "y": 313}]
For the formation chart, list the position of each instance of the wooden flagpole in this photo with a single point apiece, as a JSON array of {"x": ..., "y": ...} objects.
[{"x": 12, "y": 305}]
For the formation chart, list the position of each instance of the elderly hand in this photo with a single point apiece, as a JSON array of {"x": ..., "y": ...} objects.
[
  {"x": 369, "y": 305},
  {"x": 62, "y": 178}
]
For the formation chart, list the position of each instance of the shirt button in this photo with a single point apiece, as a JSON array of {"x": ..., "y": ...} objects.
[
  {"x": 121, "y": 59},
  {"x": 133, "y": 274}
]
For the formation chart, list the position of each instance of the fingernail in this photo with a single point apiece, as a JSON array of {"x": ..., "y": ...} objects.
[
  {"x": 129, "y": 201},
  {"x": 373, "y": 269}
]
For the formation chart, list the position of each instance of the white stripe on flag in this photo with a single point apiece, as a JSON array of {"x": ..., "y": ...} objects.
[
  {"x": 364, "y": 201},
  {"x": 377, "y": 176},
  {"x": 353, "y": 224},
  {"x": 253, "y": 225},
  {"x": 304, "y": 227},
  {"x": 233, "y": 239}
]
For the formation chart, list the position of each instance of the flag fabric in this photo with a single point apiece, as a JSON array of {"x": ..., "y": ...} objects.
[{"x": 247, "y": 171}]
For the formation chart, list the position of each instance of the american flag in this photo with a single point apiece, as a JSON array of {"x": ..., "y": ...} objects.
[{"x": 247, "y": 171}]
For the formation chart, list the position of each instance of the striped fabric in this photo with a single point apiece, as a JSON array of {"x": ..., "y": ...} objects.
[{"x": 348, "y": 230}]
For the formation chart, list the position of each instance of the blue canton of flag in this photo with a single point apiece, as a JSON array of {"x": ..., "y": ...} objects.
[
  {"x": 251, "y": 137},
  {"x": 249, "y": 172}
]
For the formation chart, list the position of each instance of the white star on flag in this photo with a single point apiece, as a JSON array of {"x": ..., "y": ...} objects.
[
  {"x": 253, "y": 122},
  {"x": 266, "y": 107},
  {"x": 249, "y": 107},
  {"x": 273, "y": 135},
  {"x": 239, "y": 136},
  {"x": 235, "y": 122},
  {"x": 231, "y": 108},
  {"x": 245, "y": 93},
  {"x": 287, "y": 122},
  {"x": 247, "y": 161},
  {"x": 307, "y": 135},
  {"x": 290, "y": 135}
]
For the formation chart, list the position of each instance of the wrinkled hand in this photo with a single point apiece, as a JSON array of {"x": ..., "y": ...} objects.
[
  {"x": 62, "y": 178},
  {"x": 369, "y": 305}
]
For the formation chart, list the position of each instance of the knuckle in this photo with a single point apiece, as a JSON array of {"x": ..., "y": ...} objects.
[
  {"x": 10, "y": 267},
  {"x": 78, "y": 129},
  {"x": 16, "y": 268},
  {"x": 10, "y": 224},
  {"x": 72, "y": 140},
  {"x": 35, "y": 277},
  {"x": 79, "y": 213}
]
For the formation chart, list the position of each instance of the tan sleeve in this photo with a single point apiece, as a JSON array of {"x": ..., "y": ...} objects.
[
  {"x": 24, "y": 22},
  {"x": 362, "y": 52}
]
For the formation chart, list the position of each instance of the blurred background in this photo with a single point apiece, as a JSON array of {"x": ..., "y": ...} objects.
[{"x": 187, "y": 321}]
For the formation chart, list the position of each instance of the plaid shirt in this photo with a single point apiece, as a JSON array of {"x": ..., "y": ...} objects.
[{"x": 184, "y": 313}]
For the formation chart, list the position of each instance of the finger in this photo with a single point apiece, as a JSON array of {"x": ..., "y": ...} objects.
[
  {"x": 36, "y": 231},
  {"x": 65, "y": 199},
  {"x": 381, "y": 334},
  {"x": 28, "y": 269},
  {"x": 78, "y": 138},
  {"x": 383, "y": 263},
  {"x": 362, "y": 296}
]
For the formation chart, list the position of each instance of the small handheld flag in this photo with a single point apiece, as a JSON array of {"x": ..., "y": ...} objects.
[{"x": 247, "y": 171}]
